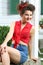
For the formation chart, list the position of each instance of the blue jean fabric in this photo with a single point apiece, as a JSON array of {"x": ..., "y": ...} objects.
[{"x": 23, "y": 51}]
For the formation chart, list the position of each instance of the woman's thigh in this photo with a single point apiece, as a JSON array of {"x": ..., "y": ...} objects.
[
  {"x": 14, "y": 54},
  {"x": 0, "y": 59}
]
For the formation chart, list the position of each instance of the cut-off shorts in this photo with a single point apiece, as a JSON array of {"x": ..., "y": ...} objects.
[{"x": 23, "y": 51}]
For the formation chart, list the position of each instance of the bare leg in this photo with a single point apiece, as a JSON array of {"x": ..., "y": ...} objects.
[
  {"x": 0, "y": 54},
  {"x": 14, "y": 54},
  {"x": 11, "y": 53},
  {"x": 0, "y": 58},
  {"x": 5, "y": 58}
]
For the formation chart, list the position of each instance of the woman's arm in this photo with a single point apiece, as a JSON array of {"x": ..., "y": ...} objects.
[
  {"x": 32, "y": 32},
  {"x": 10, "y": 33}
]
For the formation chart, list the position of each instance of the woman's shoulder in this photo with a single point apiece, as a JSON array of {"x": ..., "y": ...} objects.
[
  {"x": 32, "y": 30},
  {"x": 30, "y": 23},
  {"x": 14, "y": 22},
  {"x": 33, "y": 27}
]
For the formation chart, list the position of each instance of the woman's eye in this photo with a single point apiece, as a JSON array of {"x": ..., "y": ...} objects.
[
  {"x": 27, "y": 14},
  {"x": 30, "y": 14}
]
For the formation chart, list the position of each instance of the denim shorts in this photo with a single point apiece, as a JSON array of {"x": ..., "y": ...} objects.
[{"x": 23, "y": 51}]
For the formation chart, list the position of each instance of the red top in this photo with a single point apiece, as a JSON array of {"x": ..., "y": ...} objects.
[{"x": 23, "y": 35}]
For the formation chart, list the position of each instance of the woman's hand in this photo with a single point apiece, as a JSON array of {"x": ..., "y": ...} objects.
[
  {"x": 0, "y": 50},
  {"x": 34, "y": 59},
  {"x": 3, "y": 45},
  {"x": 3, "y": 48}
]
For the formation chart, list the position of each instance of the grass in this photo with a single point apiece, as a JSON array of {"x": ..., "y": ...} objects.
[
  {"x": 41, "y": 50},
  {"x": 41, "y": 55},
  {"x": 41, "y": 62}
]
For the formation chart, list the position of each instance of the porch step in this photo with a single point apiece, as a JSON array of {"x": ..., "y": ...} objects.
[
  {"x": 28, "y": 62},
  {"x": 0, "y": 63}
]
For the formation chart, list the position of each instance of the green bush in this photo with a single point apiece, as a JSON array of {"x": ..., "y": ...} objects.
[
  {"x": 3, "y": 32},
  {"x": 41, "y": 21}
]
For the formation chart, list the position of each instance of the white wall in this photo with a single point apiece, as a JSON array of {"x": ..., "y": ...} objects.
[
  {"x": 0, "y": 7},
  {"x": 6, "y": 20}
]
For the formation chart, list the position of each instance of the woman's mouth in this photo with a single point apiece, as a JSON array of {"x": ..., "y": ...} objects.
[{"x": 27, "y": 18}]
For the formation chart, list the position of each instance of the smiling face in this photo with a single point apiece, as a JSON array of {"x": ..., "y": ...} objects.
[{"x": 27, "y": 16}]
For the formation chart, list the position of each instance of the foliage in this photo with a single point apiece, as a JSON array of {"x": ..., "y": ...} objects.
[
  {"x": 41, "y": 21},
  {"x": 3, "y": 32}
]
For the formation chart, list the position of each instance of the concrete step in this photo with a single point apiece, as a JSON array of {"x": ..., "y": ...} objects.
[
  {"x": 0, "y": 63},
  {"x": 28, "y": 62}
]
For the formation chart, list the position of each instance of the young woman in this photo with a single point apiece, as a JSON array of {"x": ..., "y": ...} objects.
[{"x": 21, "y": 32}]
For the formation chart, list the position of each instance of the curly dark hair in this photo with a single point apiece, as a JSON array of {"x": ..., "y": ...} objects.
[{"x": 22, "y": 7}]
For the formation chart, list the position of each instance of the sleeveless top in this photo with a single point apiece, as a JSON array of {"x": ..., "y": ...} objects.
[{"x": 23, "y": 35}]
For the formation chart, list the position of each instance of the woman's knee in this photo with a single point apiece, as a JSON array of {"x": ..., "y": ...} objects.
[{"x": 3, "y": 50}]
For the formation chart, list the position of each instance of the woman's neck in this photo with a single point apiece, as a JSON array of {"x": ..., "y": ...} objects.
[{"x": 23, "y": 22}]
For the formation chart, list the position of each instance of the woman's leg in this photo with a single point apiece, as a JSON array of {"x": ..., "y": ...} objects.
[
  {"x": 0, "y": 58},
  {"x": 5, "y": 57},
  {"x": 14, "y": 54},
  {"x": 0, "y": 54},
  {"x": 10, "y": 53}
]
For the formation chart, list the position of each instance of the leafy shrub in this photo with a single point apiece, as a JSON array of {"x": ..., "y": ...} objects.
[
  {"x": 41, "y": 21},
  {"x": 3, "y": 32}
]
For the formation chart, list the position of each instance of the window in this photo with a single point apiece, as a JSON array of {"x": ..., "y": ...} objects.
[
  {"x": 8, "y": 7},
  {"x": 41, "y": 7},
  {"x": 12, "y": 4}
]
